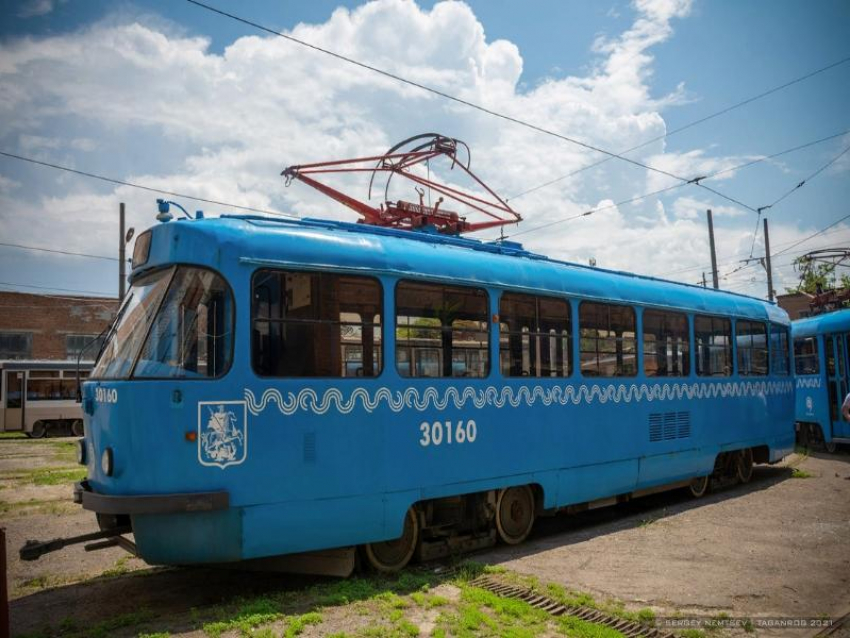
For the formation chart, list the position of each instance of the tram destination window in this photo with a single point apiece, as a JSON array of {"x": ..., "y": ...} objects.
[
  {"x": 534, "y": 339},
  {"x": 192, "y": 334},
  {"x": 806, "y": 359},
  {"x": 607, "y": 343},
  {"x": 441, "y": 331},
  {"x": 751, "y": 339},
  {"x": 666, "y": 344},
  {"x": 713, "y": 336},
  {"x": 309, "y": 324},
  {"x": 779, "y": 361}
]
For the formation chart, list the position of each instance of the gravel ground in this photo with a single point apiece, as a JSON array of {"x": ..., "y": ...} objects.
[{"x": 778, "y": 546}]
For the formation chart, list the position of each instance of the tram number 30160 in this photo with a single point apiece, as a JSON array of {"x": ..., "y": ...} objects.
[{"x": 440, "y": 432}]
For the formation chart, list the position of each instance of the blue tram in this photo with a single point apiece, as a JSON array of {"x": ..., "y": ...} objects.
[
  {"x": 821, "y": 360},
  {"x": 274, "y": 387}
]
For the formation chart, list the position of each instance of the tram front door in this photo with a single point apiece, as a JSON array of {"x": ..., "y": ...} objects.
[{"x": 14, "y": 403}]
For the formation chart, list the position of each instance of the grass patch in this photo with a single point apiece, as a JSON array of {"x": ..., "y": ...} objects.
[
  {"x": 800, "y": 474},
  {"x": 58, "y": 476}
]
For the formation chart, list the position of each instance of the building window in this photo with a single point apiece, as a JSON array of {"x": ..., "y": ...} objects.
[
  {"x": 666, "y": 344},
  {"x": 534, "y": 339},
  {"x": 779, "y": 350},
  {"x": 751, "y": 339},
  {"x": 607, "y": 345},
  {"x": 441, "y": 331},
  {"x": 15, "y": 345},
  {"x": 713, "y": 337},
  {"x": 88, "y": 345},
  {"x": 806, "y": 359},
  {"x": 316, "y": 325}
]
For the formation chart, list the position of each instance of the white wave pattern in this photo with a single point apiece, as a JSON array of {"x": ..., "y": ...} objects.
[
  {"x": 308, "y": 400},
  {"x": 810, "y": 382}
]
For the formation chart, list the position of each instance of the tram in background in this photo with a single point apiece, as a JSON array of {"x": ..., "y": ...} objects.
[
  {"x": 39, "y": 398},
  {"x": 821, "y": 366},
  {"x": 276, "y": 387}
]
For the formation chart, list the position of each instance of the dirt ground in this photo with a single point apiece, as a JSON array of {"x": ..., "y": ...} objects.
[{"x": 779, "y": 546}]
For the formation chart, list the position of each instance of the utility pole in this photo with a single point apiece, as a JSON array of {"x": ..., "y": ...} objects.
[
  {"x": 767, "y": 263},
  {"x": 704, "y": 282},
  {"x": 713, "y": 253},
  {"x": 122, "y": 257}
]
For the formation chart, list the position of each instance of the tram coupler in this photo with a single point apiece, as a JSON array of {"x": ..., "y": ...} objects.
[{"x": 33, "y": 549}]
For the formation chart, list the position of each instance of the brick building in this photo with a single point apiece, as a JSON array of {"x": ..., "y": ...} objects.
[{"x": 51, "y": 326}]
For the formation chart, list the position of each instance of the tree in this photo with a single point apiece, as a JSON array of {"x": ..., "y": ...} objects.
[{"x": 817, "y": 277}]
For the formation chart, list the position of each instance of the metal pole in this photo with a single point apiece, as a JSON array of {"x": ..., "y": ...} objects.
[
  {"x": 767, "y": 263},
  {"x": 122, "y": 258},
  {"x": 704, "y": 282},
  {"x": 713, "y": 253}
]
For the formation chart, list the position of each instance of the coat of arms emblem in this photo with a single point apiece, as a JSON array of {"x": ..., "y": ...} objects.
[{"x": 222, "y": 433}]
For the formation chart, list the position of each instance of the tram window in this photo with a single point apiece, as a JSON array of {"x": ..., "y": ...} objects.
[
  {"x": 830, "y": 356},
  {"x": 713, "y": 337},
  {"x": 806, "y": 355},
  {"x": 192, "y": 334},
  {"x": 779, "y": 350},
  {"x": 441, "y": 331},
  {"x": 607, "y": 345},
  {"x": 534, "y": 339},
  {"x": 50, "y": 389},
  {"x": 751, "y": 338},
  {"x": 666, "y": 344},
  {"x": 316, "y": 325}
]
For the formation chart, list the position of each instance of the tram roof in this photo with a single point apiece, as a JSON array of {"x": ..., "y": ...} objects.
[
  {"x": 334, "y": 245},
  {"x": 838, "y": 321}
]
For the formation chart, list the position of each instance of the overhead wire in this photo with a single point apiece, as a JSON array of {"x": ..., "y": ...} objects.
[
  {"x": 686, "y": 126},
  {"x": 151, "y": 189},
  {"x": 19, "y": 285},
  {"x": 709, "y": 176},
  {"x": 454, "y": 98},
  {"x": 56, "y": 250}
]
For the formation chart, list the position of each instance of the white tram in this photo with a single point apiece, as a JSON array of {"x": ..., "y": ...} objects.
[{"x": 40, "y": 397}]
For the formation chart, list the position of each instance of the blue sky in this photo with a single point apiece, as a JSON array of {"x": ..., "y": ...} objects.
[{"x": 612, "y": 73}]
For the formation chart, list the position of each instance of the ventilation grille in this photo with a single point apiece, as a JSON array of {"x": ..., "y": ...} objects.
[
  {"x": 666, "y": 426},
  {"x": 310, "y": 447}
]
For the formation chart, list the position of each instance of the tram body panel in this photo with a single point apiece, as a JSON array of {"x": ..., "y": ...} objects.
[
  {"x": 329, "y": 462},
  {"x": 821, "y": 391}
]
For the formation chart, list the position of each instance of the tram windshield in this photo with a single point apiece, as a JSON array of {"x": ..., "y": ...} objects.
[{"x": 176, "y": 323}]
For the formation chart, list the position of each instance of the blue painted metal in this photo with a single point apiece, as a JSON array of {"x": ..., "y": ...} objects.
[
  {"x": 337, "y": 462},
  {"x": 812, "y": 396}
]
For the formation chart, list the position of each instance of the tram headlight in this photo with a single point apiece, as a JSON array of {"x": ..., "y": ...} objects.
[
  {"x": 81, "y": 451},
  {"x": 106, "y": 461}
]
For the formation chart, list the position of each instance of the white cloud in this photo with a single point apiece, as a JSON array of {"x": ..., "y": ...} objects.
[{"x": 158, "y": 106}]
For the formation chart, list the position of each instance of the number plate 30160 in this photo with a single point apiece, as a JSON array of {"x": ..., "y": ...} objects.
[{"x": 447, "y": 433}]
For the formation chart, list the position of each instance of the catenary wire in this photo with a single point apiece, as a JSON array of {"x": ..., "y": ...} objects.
[
  {"x": 685, "y": 127},
  {"x": 56, "y": 250},
  {"x": 119, "y": 182},
  {"x": 453, "y": 98}
]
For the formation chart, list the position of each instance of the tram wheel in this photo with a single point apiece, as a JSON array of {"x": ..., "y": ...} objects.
[
  {"x": 38, "y": 430},
  {"x": 515, "y": 514},
  {"x": 744, "y": 465},
  {"x": 830, "y": 447},
  {"x": 392, "y": 556},
  {"x": 77, "y": 428},
  {"x": 699, "y": 486}
]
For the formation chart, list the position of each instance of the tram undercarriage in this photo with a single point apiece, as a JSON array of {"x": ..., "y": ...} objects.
[{"x": 433, "y": 529}]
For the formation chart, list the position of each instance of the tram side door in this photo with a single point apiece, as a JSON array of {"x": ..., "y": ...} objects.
[
  {"x": 15, "y": 398},
  {"x": 836, "y": 370},
  {"x": 840, "y": 427}
]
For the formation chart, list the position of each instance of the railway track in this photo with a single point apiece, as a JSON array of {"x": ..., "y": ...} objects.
[{"x": 628, "y": 628}]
